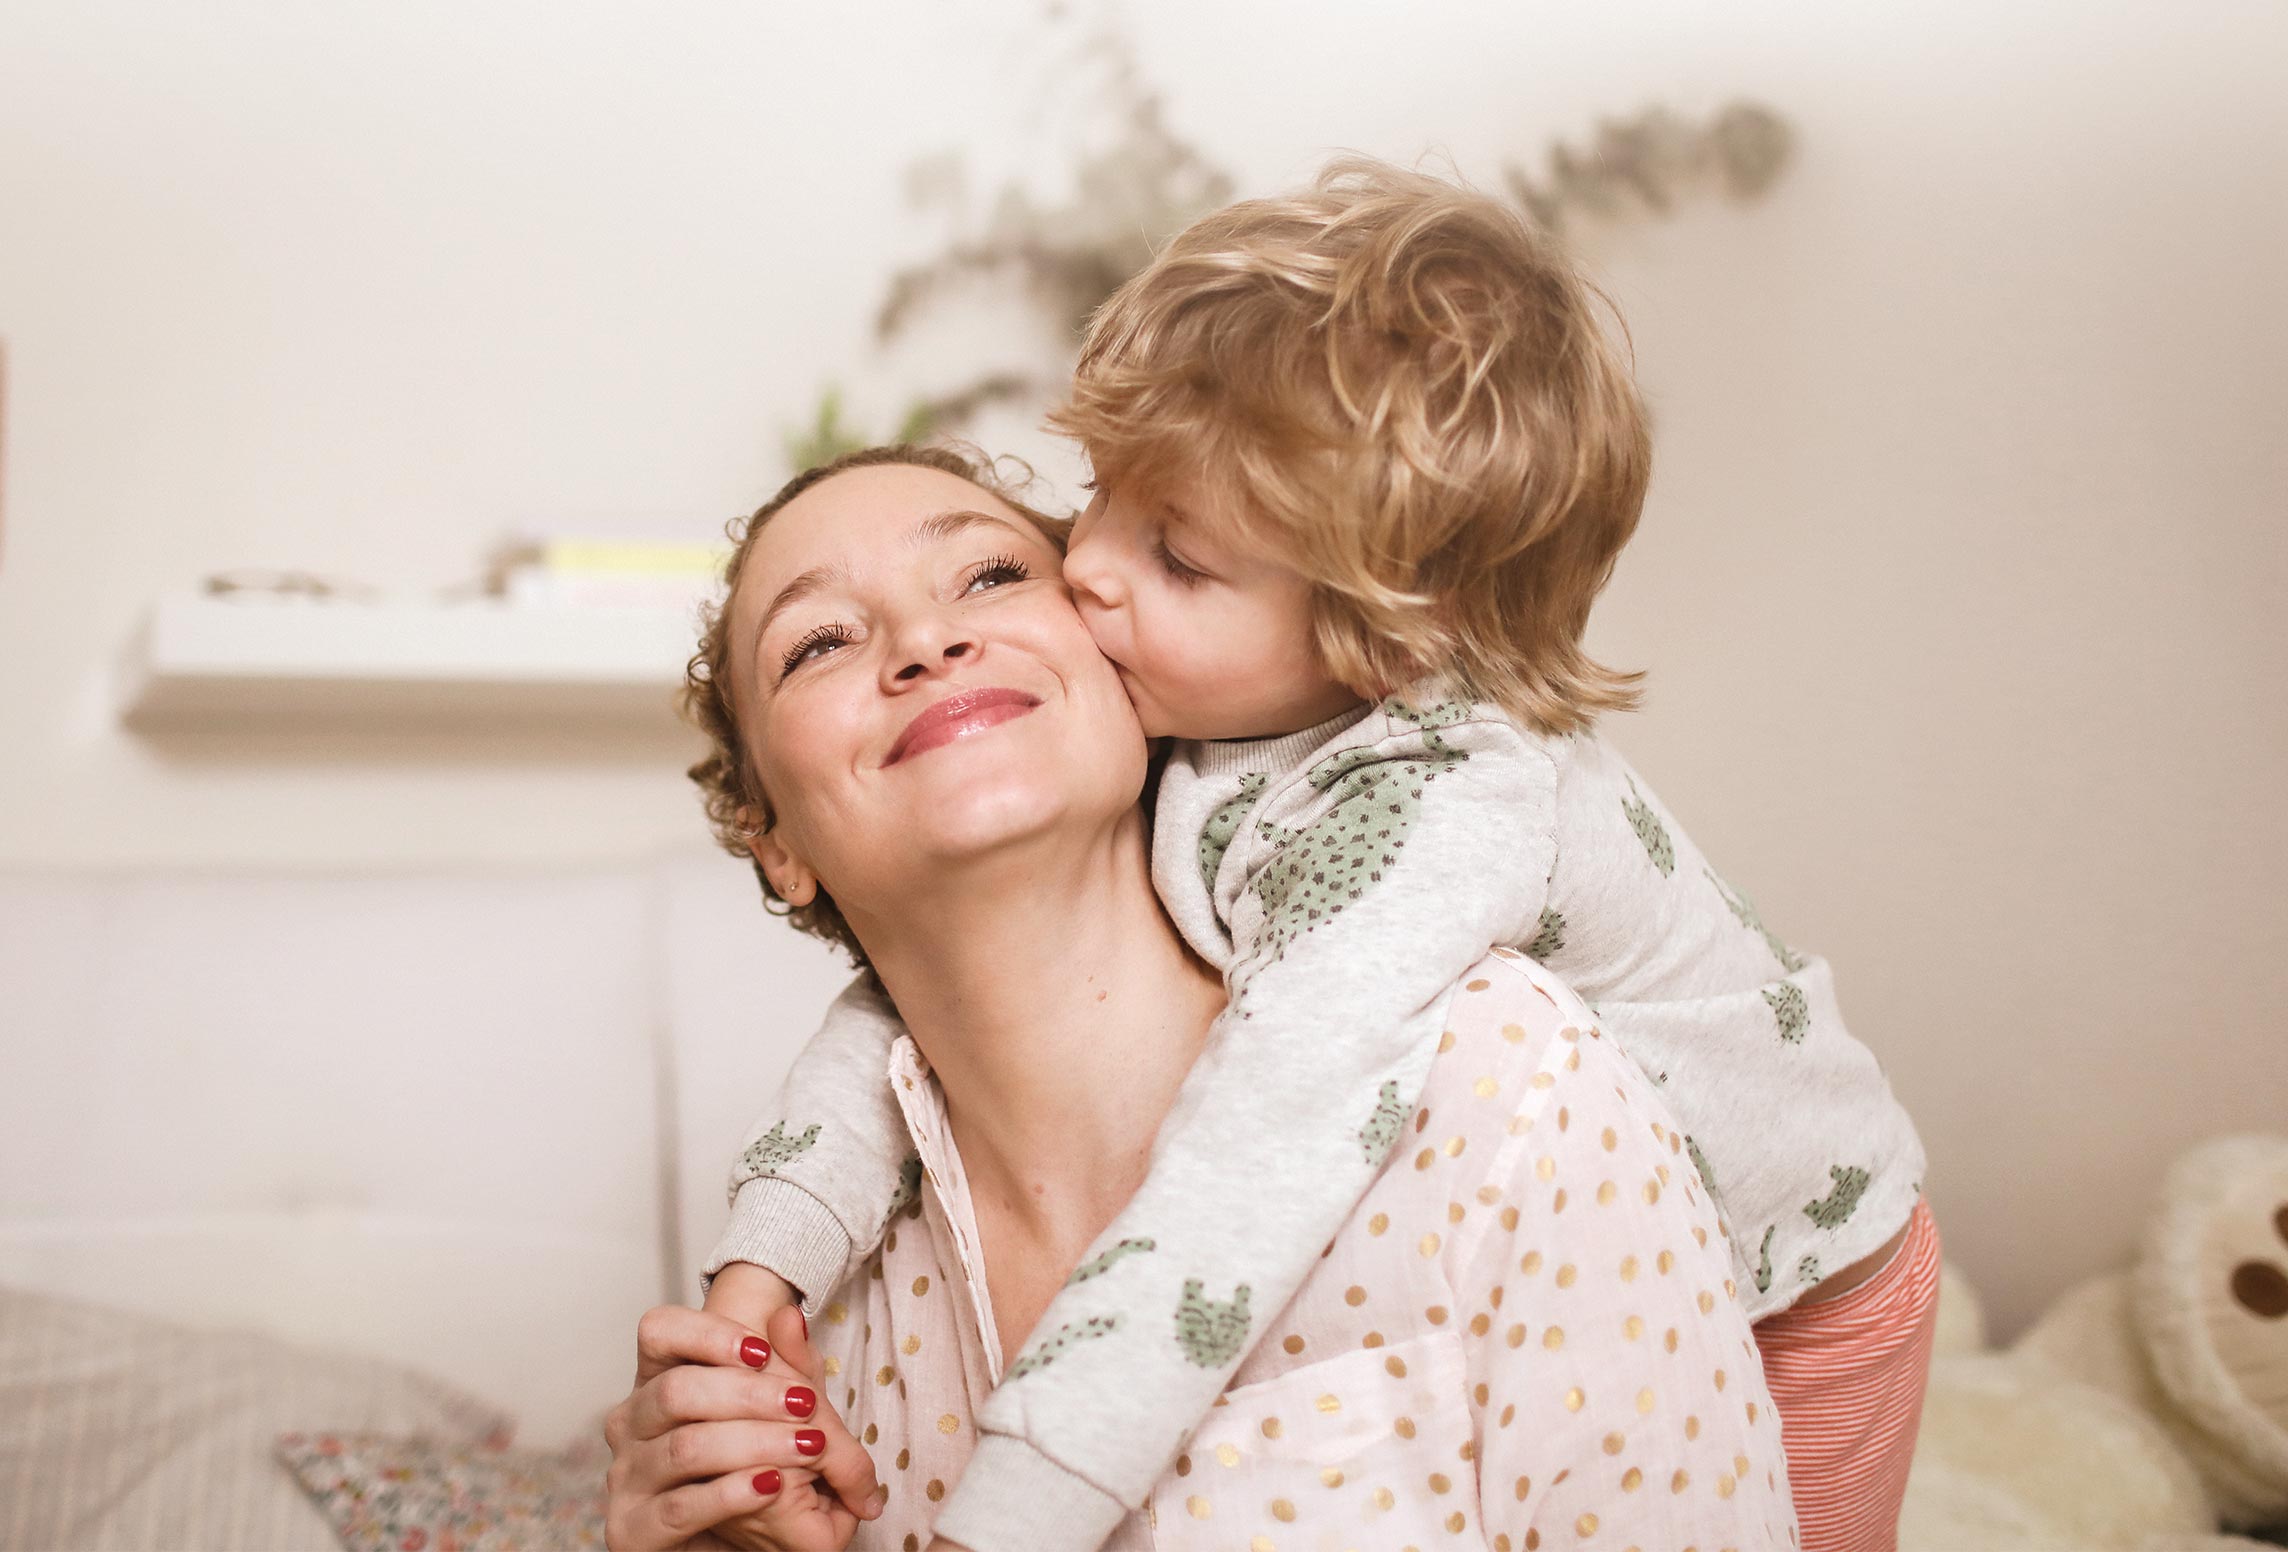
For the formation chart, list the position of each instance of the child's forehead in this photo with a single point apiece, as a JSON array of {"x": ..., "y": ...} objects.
[
  {"x": 1194, "y": 504},
  {"x": 1194, "y": 499}
]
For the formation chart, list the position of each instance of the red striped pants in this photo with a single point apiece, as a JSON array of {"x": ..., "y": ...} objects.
[{"x": 1847, "y": 1376}]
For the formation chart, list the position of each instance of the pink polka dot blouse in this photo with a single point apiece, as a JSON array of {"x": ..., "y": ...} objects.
[{"x": 1525, "y": 1336}]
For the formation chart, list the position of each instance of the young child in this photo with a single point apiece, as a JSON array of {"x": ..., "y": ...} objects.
[{"x": 1363, "y": 460}]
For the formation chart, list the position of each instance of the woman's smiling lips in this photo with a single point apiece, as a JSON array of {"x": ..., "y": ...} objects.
[{"x": 958, "y": 716}]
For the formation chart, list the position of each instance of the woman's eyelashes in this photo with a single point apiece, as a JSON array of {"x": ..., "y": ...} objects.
[
  {"x": 988, "y": 575},
  {"x": 814, "y": 642},
  {"x": 1000, "y": 570}
]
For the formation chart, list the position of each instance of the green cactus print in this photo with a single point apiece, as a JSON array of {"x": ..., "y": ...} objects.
[
  {"x": 1330, "y": 864},
  {"x": 1745, "y": 910},
  {"x": 1097, "y": 1266},
  {"x": 1440, "y": 714},
  {"x": 775, "y": 1148},
  {"x": 1060, "y": 1342},
  {"x": 1807, "y": 1270},
  {"x": 1700, "y": 1163},
  {"x": 1786, "y": 1001},
  {"x": 1551, "y": 936},
  {"x": 1764, "y": 1266},
  {"x": 1382, "y": 1129},
  {"x": 1223, "y": 824},
  {"x": 909, "y": 1191},
  {"x": 1650, "y": 831},
  {"x": 1211, "y": 1331},
  {"x": 1850, "y": 1185}
]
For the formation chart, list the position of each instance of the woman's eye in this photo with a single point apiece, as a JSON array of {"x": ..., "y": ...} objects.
[
  {"x": 999, "y": 571},
  {"x": 814, "y": 644},
  {"x": 1178, "y": 572}
]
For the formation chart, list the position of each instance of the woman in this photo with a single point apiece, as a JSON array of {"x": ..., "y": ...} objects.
[{"x": 1524, "y": 1335}]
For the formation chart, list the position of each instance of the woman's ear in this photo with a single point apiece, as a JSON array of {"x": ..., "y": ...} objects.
[{"x": 790, "y": 876}]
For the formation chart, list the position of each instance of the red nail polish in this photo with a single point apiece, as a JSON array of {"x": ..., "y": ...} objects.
[
  {"x": 754, "y": 1352},
  {"x": 801, "y": 1400},
  {"x": 809, "y": 1441},
  {"x": 766, "y": 1483}
]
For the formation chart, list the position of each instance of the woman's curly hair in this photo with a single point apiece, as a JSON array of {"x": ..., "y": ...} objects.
[{"x": 737, "y": 808}]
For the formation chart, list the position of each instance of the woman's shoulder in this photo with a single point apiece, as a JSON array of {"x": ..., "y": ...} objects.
[
  {"x": 1528, "y": 1097},
  {"x": 1503, "y": 1018}
]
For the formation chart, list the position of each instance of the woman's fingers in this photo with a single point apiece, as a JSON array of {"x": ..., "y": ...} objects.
[
  {"x": 694, "y": 1393},
  {"x": 789, "y": 1335},
  {"x": 803, "y": 1518},
  {"x": 699, "y": 1450},
  {"x": 844, "y": 1463},
  {"x": 672, "y": 1334},
  {"x": 655, "y": 1523},
  {"x": 826, "y": 1527}
]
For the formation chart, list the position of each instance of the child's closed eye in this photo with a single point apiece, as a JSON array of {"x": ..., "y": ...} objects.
[{"x": 1178, "y": 570}]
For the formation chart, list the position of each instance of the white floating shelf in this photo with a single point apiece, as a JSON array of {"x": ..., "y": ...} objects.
[{"x": 202, "y": 663}]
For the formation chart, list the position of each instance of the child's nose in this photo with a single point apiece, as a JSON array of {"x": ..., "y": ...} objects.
[{"x": 1090, "y": 574}]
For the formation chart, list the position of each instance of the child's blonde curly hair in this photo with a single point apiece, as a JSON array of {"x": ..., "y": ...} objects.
[
  {"x": 737, "y": 808},
  {"x": 1404, "y": 390}
]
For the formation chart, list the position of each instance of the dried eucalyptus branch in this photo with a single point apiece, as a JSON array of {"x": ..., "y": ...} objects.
[
  {"x": 1653, "y": 158},
  {"x": 828, "y": 436},
  {"x": 1136, "y": 192},
  {"x": 1147, "y": 183}
]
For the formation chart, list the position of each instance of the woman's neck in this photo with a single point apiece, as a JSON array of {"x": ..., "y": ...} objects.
[{"x": 1060, "y": 1011}]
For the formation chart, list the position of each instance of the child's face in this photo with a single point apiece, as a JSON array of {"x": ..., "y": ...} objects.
[{"x": 1210, "y": 643}]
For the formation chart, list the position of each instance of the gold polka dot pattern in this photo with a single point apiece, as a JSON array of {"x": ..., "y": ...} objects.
[{"x": 1470, "y": 1364}]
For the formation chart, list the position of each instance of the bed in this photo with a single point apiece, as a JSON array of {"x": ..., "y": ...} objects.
[{"x": 357, "y": 1158}]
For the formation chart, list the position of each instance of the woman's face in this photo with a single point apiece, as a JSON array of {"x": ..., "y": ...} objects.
[{"x": 916, "y": 686}]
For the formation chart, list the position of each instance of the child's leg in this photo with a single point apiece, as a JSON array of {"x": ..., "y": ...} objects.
[{"x": 1847, "y": 1375}]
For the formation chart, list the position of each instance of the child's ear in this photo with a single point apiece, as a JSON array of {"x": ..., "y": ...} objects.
[{"x": 790, "y": 876}]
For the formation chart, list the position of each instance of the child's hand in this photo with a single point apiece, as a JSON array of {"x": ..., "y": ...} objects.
[
  {"x": 749, "y": 1294},
  {"x": 709, "y": 1451}
]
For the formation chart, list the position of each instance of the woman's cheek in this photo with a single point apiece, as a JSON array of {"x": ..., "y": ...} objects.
[{"x": 806, "y": 739}]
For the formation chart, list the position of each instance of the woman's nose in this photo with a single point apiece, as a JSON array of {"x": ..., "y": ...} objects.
[{"x": 929, "y": 645}]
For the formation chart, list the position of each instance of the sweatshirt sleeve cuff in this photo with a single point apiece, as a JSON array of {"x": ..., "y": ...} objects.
[
  {"x": 1013, "y": 1498},
  {"x": 778, "y": 1226}
]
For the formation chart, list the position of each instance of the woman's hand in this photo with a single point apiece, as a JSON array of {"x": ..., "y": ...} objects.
[{"x": 727, "y": 1442}]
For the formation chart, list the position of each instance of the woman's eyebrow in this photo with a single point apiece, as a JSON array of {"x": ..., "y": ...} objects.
[
  {"x": 812, "y": 581},
  {"x": 946, "y": 524},
  {"x": 930, "y": 530}
]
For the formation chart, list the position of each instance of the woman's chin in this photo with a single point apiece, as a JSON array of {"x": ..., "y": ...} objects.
[
  {"x": 968, "y": 803},
  {"x": 971, "y": 823}
]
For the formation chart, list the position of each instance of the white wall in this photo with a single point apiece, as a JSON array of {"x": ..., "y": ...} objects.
[
  {"x": 412, "y": 1116},
  {"x": 1958, "y": 585}
]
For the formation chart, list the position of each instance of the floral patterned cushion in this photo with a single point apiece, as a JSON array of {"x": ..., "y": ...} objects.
[
  {"x": 138, "y": 1435},
  {"x": 411, "y": 1495}
]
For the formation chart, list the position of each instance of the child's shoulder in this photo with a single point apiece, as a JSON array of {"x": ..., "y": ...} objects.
[
  {"x": 1423, "y": 725},
  {"x": 1425, "y": 720},
  {"x": 1428, "y": 716},
  {"x": 1435, "y": 706}
]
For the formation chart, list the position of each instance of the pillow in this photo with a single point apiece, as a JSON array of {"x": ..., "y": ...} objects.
[
  {"x": 134, "y": 1435},
  {"x": 408, "y": 1495}
]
